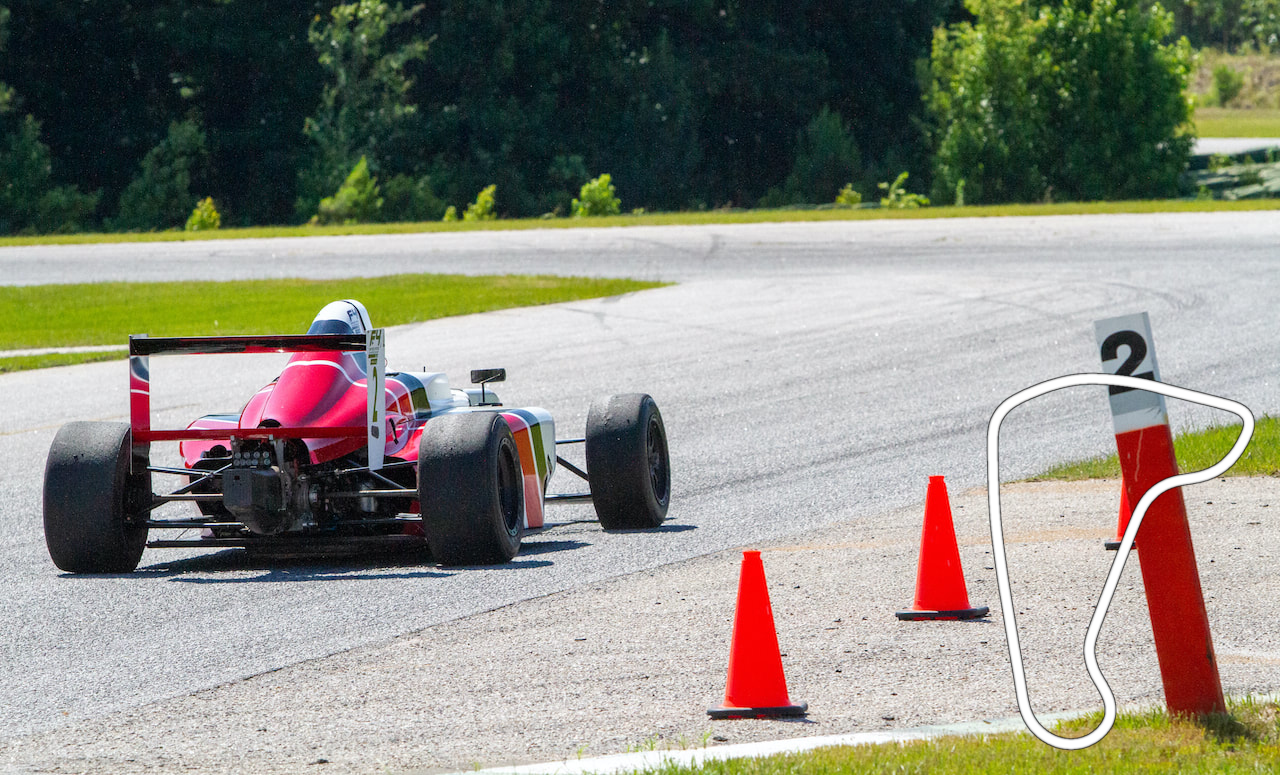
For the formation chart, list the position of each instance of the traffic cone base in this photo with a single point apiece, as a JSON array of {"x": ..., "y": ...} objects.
[
  {"x": 1122, "y": 524},
  {"x": 940, "y": 587},
  {"x": 756, "y": 686},
  {"x": 963, "y": 613},
  {"x": 784, "y": 711}
]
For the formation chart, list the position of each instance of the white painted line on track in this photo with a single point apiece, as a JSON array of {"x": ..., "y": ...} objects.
[{"x": 652, "y": 760}]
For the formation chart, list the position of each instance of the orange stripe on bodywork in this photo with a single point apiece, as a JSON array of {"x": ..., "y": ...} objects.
[{"x": 532, "y": 484}]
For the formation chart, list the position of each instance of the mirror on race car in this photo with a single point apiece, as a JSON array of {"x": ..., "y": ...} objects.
[{"x": 484, "y": 376}]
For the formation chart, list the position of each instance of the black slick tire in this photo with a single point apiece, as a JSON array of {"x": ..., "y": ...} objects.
[
  {"x": 470, "y": 489},
  {"x": 95, "y": 509},
  {"x": 628, "y": 466}
]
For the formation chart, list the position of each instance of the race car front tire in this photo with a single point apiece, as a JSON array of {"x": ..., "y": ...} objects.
[
  {"x": 628, "y": 466},
  {"x": 470, "y": 489},
  {"x": 95, "y": 508}
]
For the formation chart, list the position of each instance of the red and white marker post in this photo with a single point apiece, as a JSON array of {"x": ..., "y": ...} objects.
[{"x": 1179, "y": 622}]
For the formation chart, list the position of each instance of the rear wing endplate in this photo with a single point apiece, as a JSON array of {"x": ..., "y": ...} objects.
[{"x": 141, "y": 347}]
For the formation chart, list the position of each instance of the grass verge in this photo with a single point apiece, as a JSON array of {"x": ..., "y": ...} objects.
[
  {"x": 26, "y": 362},
  {"x": 1246, "y": 740},
  {"x": 40, "y": 316},
  {"x": 665, "y": 219},
  {"x": 1237, "y": 122},
  {"x": 1195, "y": 451}
]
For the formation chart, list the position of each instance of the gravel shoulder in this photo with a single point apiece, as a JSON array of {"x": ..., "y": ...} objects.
[{"x": 634, "y": 662}]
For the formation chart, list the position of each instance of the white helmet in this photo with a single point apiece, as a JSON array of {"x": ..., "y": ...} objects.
[{"x": 341, "y": 317}]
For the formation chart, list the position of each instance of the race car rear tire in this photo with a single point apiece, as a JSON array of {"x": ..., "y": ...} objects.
[
  {"x": 95, "y": 508},
  {"x": 470, "y": 489},
  {"x": 628, "y": 466}
]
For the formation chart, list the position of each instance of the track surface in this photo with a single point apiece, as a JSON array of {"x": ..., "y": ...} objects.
[{"x": 807, "y": 373}]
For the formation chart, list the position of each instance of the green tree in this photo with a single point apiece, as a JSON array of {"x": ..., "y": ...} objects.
[
  {"x": 1079, "y": 99},
  {"x": 1227, "y": 24},
  {"x": 29, "y": 199},
  {"x": 364, "y": 106},
  {"x": 1208, "y": 22},
  {"x": 6, "y": 93},
  {"x": 826, "y": 157},
  {"x": 106, "y": 79},
  {"x": 1117, "y": 109},
  {"x": 1259, "y": 23},
  {"x": 160, "y": 196},
  {"x": 690, "y": 102},
  {"x": 987, "y": 118}
]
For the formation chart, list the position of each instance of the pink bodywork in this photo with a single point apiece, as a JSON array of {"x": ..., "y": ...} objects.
[{"x": 328, "y": 390}]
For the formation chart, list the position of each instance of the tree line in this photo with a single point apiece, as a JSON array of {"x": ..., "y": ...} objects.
[{"x": 122, "y": 115}]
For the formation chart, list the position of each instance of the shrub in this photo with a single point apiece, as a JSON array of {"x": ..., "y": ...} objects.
[
  {"x": 1227, "y": 83},
  {"x": 848, "y": 197},
  {"x": 356, "y": 201},
  {"x": 450, "y": 214},
  {"x": 1219, "y": 160},
  {"x": 160, "y": 196},
  {"x": 482, "y": 208},
  {"x": 205, "y": 217},
  {"x": 1118, "y": 111},
  {"x": 1080, "y": 98},
  {"x": 406, "y": 199},
  {"x": 898, "y": 198},
  {"x": 597, "y": 197}
]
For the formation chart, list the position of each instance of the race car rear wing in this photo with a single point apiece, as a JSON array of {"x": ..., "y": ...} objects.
[{"x": 141, "y": 347}]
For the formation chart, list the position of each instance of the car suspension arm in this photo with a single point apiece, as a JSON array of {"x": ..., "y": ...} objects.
[{"x": 572, "y": 468}]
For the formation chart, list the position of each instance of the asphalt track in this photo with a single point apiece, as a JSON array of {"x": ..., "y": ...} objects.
[{"x": 807, "y": 373}]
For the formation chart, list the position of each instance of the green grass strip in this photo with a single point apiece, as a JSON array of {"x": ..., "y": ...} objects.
[
  {"x": 40, "y": 316},
  {"x": 26, "y": 362},
  {"x": 1237, "y": 122},
  {"x": 1247, "y": 740},
  {"x": 1195, "y": 451},
  {"x": 668, "y": 219}
]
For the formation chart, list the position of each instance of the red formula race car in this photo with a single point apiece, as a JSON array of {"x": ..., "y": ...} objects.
[{"x": 336, "y": 452}]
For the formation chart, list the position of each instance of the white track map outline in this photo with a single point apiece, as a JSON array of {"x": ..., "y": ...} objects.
[{"x": 1122, "y": 555}]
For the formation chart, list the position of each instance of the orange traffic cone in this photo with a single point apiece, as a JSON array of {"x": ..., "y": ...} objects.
[
  {"x": 756, "y": 687},
  {"x": 1126, "y": 514},
  {"x": 940, "y": 590}
]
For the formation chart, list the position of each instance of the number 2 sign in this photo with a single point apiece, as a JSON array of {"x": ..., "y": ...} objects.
[
  {"x": 1175, "y": 600},
  {"x": 1125, "y": 345}
]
